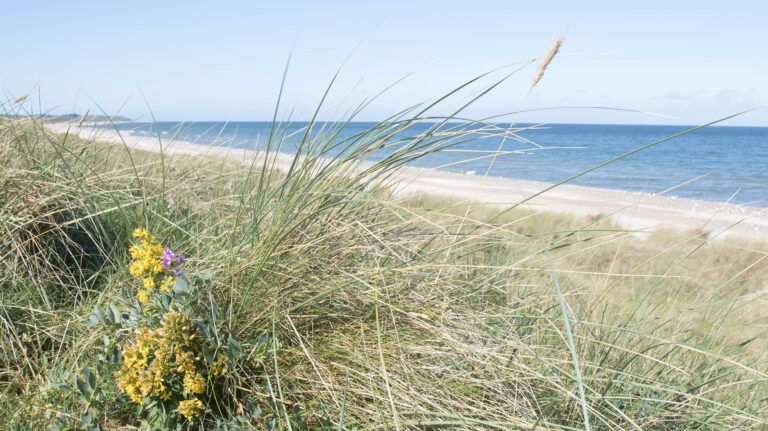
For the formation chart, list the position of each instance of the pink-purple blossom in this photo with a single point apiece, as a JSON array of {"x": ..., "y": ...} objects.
[{"x": 168, "y": 257}]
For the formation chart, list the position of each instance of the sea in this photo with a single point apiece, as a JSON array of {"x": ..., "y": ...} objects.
[{"x": 714, "y": 163}]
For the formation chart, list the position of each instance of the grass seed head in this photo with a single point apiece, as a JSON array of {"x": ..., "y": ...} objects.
[{"x": 553, "y": 49}]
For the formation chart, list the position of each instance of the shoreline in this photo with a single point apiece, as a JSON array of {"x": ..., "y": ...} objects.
[{"x": 633, "y": 210}]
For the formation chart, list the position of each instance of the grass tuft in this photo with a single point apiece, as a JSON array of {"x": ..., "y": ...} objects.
[{"x": 382, "y": 310}]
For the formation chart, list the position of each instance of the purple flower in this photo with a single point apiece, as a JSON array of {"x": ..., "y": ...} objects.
[
  {"x": 167, "y": 257},
  {"x": 181, "y": 259},
  {"x": 177, "y": 272}
]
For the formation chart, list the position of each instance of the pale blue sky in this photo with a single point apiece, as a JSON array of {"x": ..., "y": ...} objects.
[{"x": 696, "y": 61}]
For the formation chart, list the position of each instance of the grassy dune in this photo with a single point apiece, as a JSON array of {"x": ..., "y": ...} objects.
[{"x": 379, "y": 311}]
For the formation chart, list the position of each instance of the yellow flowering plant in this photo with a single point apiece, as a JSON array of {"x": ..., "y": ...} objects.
[
  {"x": 176, "y": 356},
  {"x": 168, "y": 365},
  {"x": 153, "y": 264}
]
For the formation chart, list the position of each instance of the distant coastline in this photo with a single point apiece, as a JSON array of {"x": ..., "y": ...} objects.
[
  {"x": 726, "y": 164},
  {"x": 80, "y": 119},
  {"x": 630, "y": 210}
]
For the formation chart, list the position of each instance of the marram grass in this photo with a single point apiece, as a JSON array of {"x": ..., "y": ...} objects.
[{"x": 341, "y": 306}]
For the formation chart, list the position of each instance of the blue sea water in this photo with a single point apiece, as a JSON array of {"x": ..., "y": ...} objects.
[{"x": 734, "y": 160}]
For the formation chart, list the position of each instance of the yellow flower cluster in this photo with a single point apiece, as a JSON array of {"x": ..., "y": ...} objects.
[
  {"x": 147, "y": 265},
  {"x": 168, "y": 354},
  {"x": 190, "y": 408}
]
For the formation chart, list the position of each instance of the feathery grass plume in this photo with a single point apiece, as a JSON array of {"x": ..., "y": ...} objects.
[
  {"x": 547, "y": 59},
  {"x": 83, "y": 117}
]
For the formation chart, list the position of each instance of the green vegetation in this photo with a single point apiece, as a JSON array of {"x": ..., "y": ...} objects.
[{"x": 342, "y": 306}]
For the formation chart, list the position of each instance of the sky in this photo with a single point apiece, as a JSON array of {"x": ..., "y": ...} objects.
[{"x": 689, "y": 62}]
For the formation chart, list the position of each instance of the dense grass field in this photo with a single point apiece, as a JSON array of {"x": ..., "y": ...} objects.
[{"x": 345, "y": 306}]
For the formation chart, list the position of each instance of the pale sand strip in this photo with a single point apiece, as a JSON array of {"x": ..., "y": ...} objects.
[{"x": 634, "y": 211}]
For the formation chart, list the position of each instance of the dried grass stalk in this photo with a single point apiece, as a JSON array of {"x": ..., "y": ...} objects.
[
  {"x": 83, "y": 117},
  {"x": 547, "y": 59}
]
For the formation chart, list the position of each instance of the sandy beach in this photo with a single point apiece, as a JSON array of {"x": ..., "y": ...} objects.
[{"x": 630, "y": 210}]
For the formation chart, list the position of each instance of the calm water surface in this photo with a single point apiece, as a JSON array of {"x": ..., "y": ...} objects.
[{"x": 734, "y": 159}]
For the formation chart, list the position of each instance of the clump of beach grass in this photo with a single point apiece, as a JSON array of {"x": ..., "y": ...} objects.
[{"x": 380, "y": 311}]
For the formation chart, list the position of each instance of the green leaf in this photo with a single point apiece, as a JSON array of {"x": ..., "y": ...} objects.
[
  {"x": 234, "y": 348},
  {"x": 99, "y": 313},
  {"x": 96, "y": 317},
  {"x": 263, "y": 340},
  {"x": 85, "y": 420},
  {"x": 180, "y": 287},
  {"x": 208, "y": 354},
  {"x": 114, "y": 312},
  {"x": 83, "y": 388},
  {"x": 90, "y": 378},
  {"x": 61, "y": 386}
]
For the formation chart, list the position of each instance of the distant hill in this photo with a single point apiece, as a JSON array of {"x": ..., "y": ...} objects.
[
  {"x": 88, "y": 118},
  {"x": 75, "y": 117}
]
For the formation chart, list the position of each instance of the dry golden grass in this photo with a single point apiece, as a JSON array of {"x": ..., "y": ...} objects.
[{"x": 389, "y": 308}]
